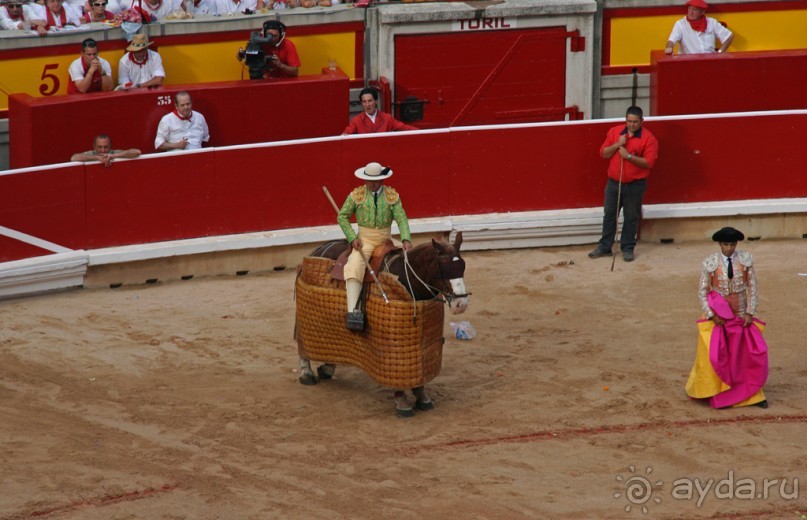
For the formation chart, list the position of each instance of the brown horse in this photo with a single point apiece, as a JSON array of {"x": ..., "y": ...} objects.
[{"x": 432, "y": 270}]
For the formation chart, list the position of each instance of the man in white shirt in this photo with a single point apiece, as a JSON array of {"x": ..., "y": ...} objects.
[
  {"x": 201, "y": 7},
  {"x": 19, "y": 15},
  {"x": 230, "y": 7},
  {"x": 696, "y": 33},
  {"x": 140, "y": 67},
  {"x": 90, "y": 72},
  {"x": 58, "y": 17},
  {"x": 15, "y": 14},
  {"x": 182, "y": 129},
  {"x": 160, "y": 9}
]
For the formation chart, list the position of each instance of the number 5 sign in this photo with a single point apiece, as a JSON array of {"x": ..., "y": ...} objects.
[{"x": 47, "y": 77}]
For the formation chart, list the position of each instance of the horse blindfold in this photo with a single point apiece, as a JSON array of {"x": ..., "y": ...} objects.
[{"x": 452, "y": 269}]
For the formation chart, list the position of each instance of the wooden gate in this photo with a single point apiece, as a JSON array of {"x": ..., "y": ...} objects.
[{"x": 486, "y": 77}]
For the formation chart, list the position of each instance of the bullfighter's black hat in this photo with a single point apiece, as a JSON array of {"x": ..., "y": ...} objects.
[{"x": 728, "y": 234}]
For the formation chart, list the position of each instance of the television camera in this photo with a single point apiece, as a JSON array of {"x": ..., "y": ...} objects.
[{"x": 255, "y": 57}]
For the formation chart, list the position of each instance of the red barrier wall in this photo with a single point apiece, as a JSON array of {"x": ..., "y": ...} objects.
[
  {"x": 163, "y": 197},
  {"x": 237, "y": 112},
  {"x": 438, "y": 173},
  {"x": 731, "y": 82},
  {"x": 47, "y": 204}
]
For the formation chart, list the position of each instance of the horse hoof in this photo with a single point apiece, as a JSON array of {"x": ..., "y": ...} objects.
[
  {"x": 424, "y": 406},
  {"x": 404, "y": 412},
  {"x": 308, "y": 379},
  {"x": 324, "y": 373}
]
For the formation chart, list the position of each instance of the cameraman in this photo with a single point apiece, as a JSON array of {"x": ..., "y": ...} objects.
[{"x": 281, "y": 54}]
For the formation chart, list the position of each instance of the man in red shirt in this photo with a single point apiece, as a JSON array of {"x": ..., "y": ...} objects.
[
  {"x": 631, "y": 151},
  {"x": 281, "y": 59},
  {"x": 372, "y": 120}
]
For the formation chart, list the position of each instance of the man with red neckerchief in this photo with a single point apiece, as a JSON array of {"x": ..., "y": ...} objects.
[
  {"x": 183, "y": 128},
  {"x": 58, "y": 16},
  {"x": 140, "y": 67},
  {"x": 98, "y": 12},
  {"x": 89, "y": 73},
  {"x": 696, "y": 33},
  {"x": 15, "y": 14}
]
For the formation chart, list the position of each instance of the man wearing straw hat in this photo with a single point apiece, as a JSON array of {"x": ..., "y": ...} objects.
[
  {"x": 375, "y": 207},
  {"x": 140, "y": 67}
]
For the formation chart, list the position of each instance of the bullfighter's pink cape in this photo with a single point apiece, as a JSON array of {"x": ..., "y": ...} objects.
[{"x": 738, "y": 354}]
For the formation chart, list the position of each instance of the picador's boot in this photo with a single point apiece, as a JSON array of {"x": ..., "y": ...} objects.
[{"x": 355, "y": 317}]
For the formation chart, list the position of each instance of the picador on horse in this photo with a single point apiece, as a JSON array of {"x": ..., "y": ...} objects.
[{"x": 398, "y": 339}]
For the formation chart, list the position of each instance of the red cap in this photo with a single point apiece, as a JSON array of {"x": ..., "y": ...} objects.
[{"x": 697, "y": 3}]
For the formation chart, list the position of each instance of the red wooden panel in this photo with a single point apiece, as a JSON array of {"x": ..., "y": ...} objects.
[
  {"x": 150, "y": 200},
  {"x": 47, "y": 204},
  {"x": 448, "y": 69},
  {"x": 11, "y": 249},
  {"x": 729, "y": 159},
  {"x": 700, "y": 160},
  {"x": 527, "y": 169},
  {"x": 237, "y": 112},
  {"x": 280, "y": 187},
  {"x": 731, "y": 82},
  {"x": 555, "y": 166},
  {"x": 421, "y": 166},
  {"x": 275, "y": 187}
]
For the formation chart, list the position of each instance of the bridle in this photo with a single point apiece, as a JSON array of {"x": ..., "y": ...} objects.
[{"x": 449, "y": 268}]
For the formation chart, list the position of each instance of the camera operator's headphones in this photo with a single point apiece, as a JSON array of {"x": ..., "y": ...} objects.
[{"x": 278, "y": 26}]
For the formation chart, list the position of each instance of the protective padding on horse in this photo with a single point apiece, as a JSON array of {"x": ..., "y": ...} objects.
[{"x": 395, "y": 349}]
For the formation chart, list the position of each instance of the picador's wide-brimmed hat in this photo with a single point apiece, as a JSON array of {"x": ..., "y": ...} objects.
[
  {"x": 373, "y": 172},
  {"x": 139, "y": 42},
  {"x": 728, "y": 234}
]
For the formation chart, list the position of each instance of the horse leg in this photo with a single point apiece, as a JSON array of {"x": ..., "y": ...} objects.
[
  {"x": 307, "y": 376},
  {"x": 325, "y": 371},
  {"x": 423, "y": 402},
  {"x": 402, "y": 406}
]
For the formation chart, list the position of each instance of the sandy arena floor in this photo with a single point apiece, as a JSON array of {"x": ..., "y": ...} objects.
[{"x": 181, "y": 401}]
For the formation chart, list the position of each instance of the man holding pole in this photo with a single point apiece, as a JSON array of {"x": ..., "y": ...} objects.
[
  {"x": 375, "y": 207},
  {"x": 631, "y": 151}
]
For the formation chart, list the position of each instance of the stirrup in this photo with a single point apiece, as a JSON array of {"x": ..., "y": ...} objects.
[{"x": 355, "y": 320}]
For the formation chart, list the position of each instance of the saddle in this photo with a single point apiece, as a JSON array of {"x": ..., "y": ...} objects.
[{"x": 338, "y": 272}]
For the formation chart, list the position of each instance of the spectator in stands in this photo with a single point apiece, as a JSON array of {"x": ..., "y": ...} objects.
[
  {"x": 696, "y": 33},
  {"x": 102, "y": 152},
  {"x": 230, "y": 7},
  {"x": 631, "y": 151},
  {"x": 182, "y": 129},
  {"x": 58, "y": 16},
  {"x": 20, "y": 15},
  {"x": 204, "y": 7},
  {"x": 282, "y": 60},
  {"x": 160, "y": 9},
  {"x": 140, "y": 66},
  {"x": 90, "y": 72},
  {"x": 97, "y": 12},
  {"x": 372, "y": 120}
]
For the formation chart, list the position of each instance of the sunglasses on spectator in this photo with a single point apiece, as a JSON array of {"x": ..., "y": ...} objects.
[
  {"x": 100, "y": 4},
  {"x": 14, "y": 5}
]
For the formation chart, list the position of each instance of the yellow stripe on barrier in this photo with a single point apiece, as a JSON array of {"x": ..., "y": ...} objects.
[
  {"x": 184, "y": 64},
  {"x": 632, "y": 38}
]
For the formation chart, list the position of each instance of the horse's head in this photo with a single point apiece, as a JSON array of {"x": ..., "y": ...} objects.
[{"x": 451, "y": 268}]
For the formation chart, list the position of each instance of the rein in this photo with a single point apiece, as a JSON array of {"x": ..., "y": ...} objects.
[{"x": 448, "y": 269}]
